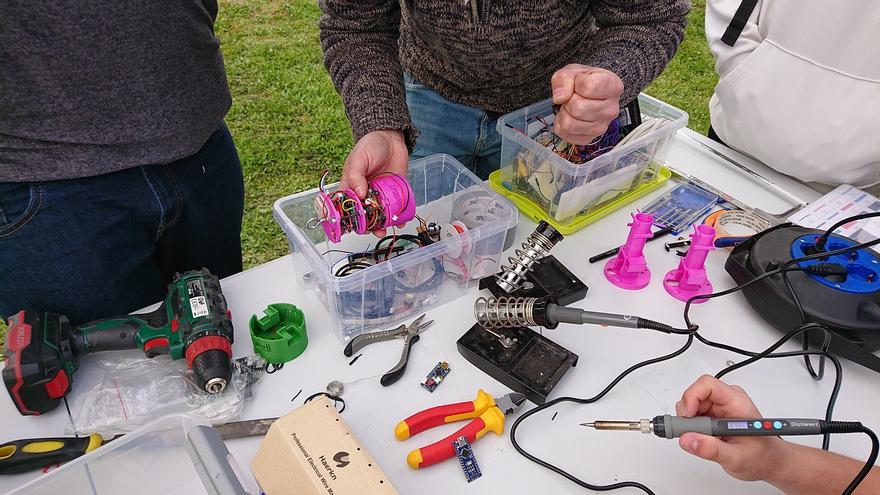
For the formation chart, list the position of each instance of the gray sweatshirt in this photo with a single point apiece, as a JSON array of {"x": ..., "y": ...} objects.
[
  {"x": 92, "y": 87},
  {"x": 497, "y": 55}
]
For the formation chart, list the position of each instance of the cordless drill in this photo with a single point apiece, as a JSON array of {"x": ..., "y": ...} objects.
[{"x": 43, "y": 348}]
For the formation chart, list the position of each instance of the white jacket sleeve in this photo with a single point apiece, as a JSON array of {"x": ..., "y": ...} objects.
[{"x": 718, "y": 16}]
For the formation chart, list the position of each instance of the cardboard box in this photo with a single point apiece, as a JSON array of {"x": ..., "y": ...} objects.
[{"x": 311, "y": 451}]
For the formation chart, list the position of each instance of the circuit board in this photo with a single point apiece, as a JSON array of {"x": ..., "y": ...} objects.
[
  {"x": 467, "y": 459},
  {"x": 432, "y": 381}
]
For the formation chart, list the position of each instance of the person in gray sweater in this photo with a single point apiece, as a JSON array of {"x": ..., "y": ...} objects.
[
  {"x": 116, "y": 168},
  {"x": 419, "y": 77}
]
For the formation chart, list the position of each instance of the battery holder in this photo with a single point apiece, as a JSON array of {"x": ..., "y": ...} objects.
[
  {"x": 548, "y": 277},
  {"x": 533, "y": 365}
]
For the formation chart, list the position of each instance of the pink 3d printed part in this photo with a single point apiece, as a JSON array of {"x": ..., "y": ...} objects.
[
  {"x": 390, "y": 202},
  {"x": 629, "y": 270},
  {"x": 395, "y": 197},
  {"x": 332, "y": 223},
  {"x": 690, "y": 279}
]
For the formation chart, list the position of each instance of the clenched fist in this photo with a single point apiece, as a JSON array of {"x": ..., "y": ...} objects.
[{"x": 589, "y": 99}]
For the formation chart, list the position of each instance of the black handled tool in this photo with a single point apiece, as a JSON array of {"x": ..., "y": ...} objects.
[
  {"x": 668, "y": 426},
  {"x": 20, "y": 456},
  {"x": 409, "y": 334}
]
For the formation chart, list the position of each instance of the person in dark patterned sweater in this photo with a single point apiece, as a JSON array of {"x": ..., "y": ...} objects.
[{"x": 419, "y": 77}]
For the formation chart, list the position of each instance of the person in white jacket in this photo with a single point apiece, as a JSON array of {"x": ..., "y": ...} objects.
[{"x": 799, "y": 86}]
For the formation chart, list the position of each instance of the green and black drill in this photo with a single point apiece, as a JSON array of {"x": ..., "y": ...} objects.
[{"x": 43, "y": 348}]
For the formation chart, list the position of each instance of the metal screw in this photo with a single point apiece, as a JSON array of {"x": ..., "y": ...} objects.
[{"x": 335, "y": 387}]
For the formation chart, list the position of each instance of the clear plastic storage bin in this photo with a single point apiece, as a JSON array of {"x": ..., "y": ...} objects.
[
  {"x": 406, "y": 285},
  {"x": 174, "y": 455},
  {"x": 565, "y": 191}
]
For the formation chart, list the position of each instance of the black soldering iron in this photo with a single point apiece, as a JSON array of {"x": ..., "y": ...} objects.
[{"x": 668, "y": 426}]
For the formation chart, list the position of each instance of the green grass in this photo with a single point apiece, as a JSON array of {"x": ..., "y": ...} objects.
[
  {"x": 289, "y": 123},
  {"x": 690, "y": 78}
]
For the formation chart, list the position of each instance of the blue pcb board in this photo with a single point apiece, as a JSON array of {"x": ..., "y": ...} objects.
[
  {"x": 467, "y": 459},
  {"x": 432, "y": 381}
]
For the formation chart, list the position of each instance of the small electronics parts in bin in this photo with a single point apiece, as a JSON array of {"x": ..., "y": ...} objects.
[
  {"x": 681, "y": 206},
  {"x": 569, "y": 182},
  {"x": 456, "y": 237}
]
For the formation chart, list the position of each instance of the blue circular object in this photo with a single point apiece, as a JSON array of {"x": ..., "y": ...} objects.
[
  {"x": 777, "y": 425},
  {"x": 862, "y": 266},
  {"x": 757, "y": 425}
]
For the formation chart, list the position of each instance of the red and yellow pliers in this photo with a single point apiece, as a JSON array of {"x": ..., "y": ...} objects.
[{"x": 487, "y": 414}]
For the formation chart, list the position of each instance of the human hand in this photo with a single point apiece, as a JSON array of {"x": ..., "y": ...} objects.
[
  {"x": 744, "y": 458},
  {"x": 375, "y": 153},
  {"x": 589, "y": 99}
]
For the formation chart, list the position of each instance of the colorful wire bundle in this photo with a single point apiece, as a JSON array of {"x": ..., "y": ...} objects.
[
  {"x": 579, "y": 154},
  {"x": 389, "y": 203}
]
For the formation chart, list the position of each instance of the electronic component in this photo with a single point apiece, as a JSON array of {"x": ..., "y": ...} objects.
[
  {"x": 538, "y": 244},
  {"x": 432, "y": 381},
  {"x": 548, "y": 277},
  {"x": 467, "y": 459},
  {"x": 528, "y": 362},
  {"x": 681, "y": 207}
]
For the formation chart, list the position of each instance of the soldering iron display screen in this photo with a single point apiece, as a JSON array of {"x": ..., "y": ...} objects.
[{"x": 737, "y": 425}]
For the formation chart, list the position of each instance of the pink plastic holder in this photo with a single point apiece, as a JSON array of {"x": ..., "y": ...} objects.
[
  {"x": 690, "y": 279},
  {"x": 629, "y": 270},
  {"x": 332, "y": 225},
  {"x": 397, "y": 198}
]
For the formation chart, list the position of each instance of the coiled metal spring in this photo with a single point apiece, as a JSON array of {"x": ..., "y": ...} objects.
[
  {"x": 512, "y": 275},
  {"x": 505, "y": 312}
]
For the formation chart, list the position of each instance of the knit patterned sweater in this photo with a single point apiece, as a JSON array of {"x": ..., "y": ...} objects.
[{"x": 497, "y": 55}]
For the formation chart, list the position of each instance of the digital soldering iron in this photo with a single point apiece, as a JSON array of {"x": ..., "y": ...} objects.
[{"x": 668, "y": 426}]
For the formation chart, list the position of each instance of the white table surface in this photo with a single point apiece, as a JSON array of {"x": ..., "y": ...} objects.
[{"x": 780, "y": 387}]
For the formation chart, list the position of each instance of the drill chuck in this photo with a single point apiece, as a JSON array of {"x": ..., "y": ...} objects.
[
  {"x": 212, "y": 370},
  {"x": 209, "y": 358}
]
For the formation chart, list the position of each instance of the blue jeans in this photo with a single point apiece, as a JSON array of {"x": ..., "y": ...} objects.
[
  {"x": 103, "y": 246},
  {"x": 467, "y": 133}
]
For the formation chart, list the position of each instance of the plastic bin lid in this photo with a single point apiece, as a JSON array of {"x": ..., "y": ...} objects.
[{"x": 175, "y": 454}]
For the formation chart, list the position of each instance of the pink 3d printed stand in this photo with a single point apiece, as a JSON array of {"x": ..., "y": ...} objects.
[
  {"x": 629, "y": 270},
  {"x": 689, "y": 279}
]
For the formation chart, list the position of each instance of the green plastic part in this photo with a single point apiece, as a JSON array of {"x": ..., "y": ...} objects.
[
  {"x": 280, "y": 335},
  {"x": 532, "y": 210}
]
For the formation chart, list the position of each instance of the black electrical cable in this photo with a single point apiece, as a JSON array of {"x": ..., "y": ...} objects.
[
  {"x": 869, "y": 464},
  {"x": 335, "y": 398},
  {"x": 597, "y": 397},
  {"x": 823, "y": 239},
  {"x": 768, "y": 353},
  {"x": 784, "y": 268}
]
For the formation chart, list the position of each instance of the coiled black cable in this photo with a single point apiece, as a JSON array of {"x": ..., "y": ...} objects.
[{"x": 767, "y": 353}]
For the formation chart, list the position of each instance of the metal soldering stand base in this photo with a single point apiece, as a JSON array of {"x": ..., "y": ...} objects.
[
  {"x": 547, "y": 278},
  {"x": 527, "y": 362}
]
